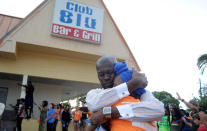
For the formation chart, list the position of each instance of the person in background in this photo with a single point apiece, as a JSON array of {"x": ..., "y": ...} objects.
[
  {"x": 57, "y": 112},
  {"x": 84, "y": 110},
  {"x": 66, "y": 118},
  {"x": 165, "y": 124},
  {"x": 185, "y": 119},
  {"x": 43, "y": 116},
  {"x": 28, "y": 99},
  {"x": 76, "y": 118},
  {"x": 16, "y": 107},
  {"x": 176, "y": 124},
  {"x": 89, "y": 114},
  {"x": 20, "y": 115},
  {"x": 196, "y": 122},
  {"x": 2, "y": 107},
  {"x": 192, "y": 104},
  {"x": 203, "y": 120},
  {"x": 50, "y": 117}
]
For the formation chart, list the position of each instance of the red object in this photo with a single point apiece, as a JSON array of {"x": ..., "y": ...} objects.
[
  {"x": 38, "y": 120},
  {"x": 202, "y": 128},
  {"x": 76, "y": 33}
]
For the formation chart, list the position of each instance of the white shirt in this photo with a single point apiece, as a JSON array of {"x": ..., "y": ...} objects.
[
  {"x": 149, "y": 109},
  {"x": 2, "y": 107}
]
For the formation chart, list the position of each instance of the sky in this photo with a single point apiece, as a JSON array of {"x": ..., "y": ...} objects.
[{"x": 165, "y": 36}]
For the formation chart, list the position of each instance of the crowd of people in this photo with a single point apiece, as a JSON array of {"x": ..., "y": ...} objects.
[
  {"x": 51, "y": 114},
  {"x": 176, "y": 119}
]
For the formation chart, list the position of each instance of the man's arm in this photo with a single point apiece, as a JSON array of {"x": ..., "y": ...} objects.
[
  {"x": 186, "y": 122},
  {"x": 189, "y": 105},
  {"x": 99, "y": 98},
  {"x": 149, "y": 109}
]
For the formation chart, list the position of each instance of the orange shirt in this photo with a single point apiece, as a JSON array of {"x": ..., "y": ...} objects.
[
  {"x": 124, "y": 125},
  {"x": 77, "y": 115},
  {"x": 56, "y": 113},
  {"x": 89, "y": 114}
]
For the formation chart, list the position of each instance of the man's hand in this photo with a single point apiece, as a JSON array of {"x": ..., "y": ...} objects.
[
  {"x": 139, "y": 80},
  {"x": 98, "y": 118}
]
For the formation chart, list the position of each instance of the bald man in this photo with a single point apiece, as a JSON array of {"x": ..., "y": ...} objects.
[{"x": 101, "y": 100}]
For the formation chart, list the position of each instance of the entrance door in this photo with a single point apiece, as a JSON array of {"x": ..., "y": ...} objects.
[{"x": 3, "y": 95}]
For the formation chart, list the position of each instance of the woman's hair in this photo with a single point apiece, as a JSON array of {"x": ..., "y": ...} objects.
[
  {"x": 44, "y": 103},
  {"x": 196, "y": 116},
  {"x": 167, "y": 112},
  {"x": 176, "y": 113}
]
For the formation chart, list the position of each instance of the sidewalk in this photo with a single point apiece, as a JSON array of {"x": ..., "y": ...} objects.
[{"x": 32, "y": 125}]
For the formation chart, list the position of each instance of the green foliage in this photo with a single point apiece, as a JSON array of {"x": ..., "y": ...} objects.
[
  {"x": 166, "y": 98},
  {"x": 82, "y": 99},
  {"x": 203, "y": 97},
  {"x": 202, "y": 62},
  {"x": 66, "y": 104}
]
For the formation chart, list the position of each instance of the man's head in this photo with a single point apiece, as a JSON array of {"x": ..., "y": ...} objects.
[
  {"x": 194, "y": 102},
  {"x": 77, "y": 108},
  {"x": 105, "y": 71},
  {"x": 83, "y": 104},
  {"x": 196, "y": 119}
]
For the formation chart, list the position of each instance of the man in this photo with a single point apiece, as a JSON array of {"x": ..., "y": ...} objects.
[
  {"x": 43, "y": 116},
  {"x": 28, "y": 99},
  {"x": 104, "y": 98},
  {"x": 84, "y": 110},
  {"x": 66, "y": 118},
  {"x": 76, "y": 118}
]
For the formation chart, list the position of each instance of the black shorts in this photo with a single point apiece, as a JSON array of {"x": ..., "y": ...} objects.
[
  {"x": 83, "y": 122},
  {"x": 28, "y": 102}
]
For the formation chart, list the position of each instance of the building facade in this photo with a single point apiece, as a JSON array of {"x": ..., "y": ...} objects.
[{"x": 60, "y": 66}]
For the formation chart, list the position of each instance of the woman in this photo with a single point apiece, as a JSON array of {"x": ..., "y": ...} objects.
[
  {"x": 20, "y": 115},
  {"x": 66, "y": 118},
  {"x": 176, "y": 124},
  {"x": 165, "y": 124},
  {"x": 50, "y": 117},
  {"x": 43, "y": 116},
  {"x": 57, "y": 112}
]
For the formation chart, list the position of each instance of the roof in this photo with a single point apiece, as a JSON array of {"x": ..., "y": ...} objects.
[{"x": 7, "y": 23}]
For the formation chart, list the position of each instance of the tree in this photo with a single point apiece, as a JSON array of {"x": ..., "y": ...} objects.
[
  {"x": 202, "y": 64},
  {"x": 166, "y": 98}
]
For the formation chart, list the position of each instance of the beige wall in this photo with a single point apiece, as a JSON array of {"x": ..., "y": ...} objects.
[{"x": 51, "y": 66}]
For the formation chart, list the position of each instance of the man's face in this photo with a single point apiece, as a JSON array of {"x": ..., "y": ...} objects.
[{"x": 106, "y": 76}]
